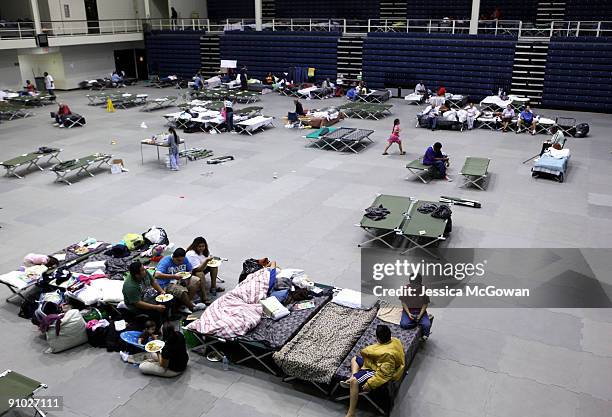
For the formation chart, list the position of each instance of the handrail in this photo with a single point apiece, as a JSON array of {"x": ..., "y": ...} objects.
[{"x": 26, "y": 30}]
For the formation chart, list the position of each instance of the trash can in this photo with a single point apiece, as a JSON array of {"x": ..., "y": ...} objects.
[{"x": 40, "y": 83}]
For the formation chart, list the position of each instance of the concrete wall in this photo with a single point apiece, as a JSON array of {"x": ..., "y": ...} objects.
[
  {"x": 186, "y": 7},
  {"x": 123, "y": 9},
  {"x": 159, "y": 9},
  {"x": 35, "y": 62},
  {"x": 77, "y": 10},
  {"x": 43, "y": 10},
  {"x": 10, "y": 76}
]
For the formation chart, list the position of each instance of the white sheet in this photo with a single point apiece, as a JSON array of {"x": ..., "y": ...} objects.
[
  {"x": 17, "y": 279},
  {"x": 503, "y": 103},
  {"x": 256, "y": 122}
]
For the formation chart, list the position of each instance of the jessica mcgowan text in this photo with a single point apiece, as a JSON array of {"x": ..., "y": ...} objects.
[{"x": 469, "y": 291}]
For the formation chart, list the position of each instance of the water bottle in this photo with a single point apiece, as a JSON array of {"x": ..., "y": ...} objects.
[{"x": 225, "y": 362}]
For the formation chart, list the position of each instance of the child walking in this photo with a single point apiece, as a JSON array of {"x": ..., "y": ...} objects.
[
  {"x": 394, "y": 138},
  {"x": 173, "y": 141}
]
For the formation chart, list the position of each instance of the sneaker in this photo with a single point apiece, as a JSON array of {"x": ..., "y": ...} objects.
[
  {"x": 61, "y": 125},
  {"x": 199, "y": 306},
  {"x": 233, "y": 132},
  {"x": 55, "y": 124},
  {"x": 185, "y": 310},
  {"x": 424, "y": 338},
  {"x": 449, "y": 179},
  {"x": 345, "y": 384},
  {"x": 532, "y": 133}
]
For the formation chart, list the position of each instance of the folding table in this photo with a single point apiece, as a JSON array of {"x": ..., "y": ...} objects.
[{"x": 158, "y": 145}]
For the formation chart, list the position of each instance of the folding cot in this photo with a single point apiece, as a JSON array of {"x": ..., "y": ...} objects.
[
  {"x": 76, "y": 166},
  {"x": 157, "y": 82},
  {"x": 128, "y": 100},
  {"x": 551, "y": 165},
  {"x": 495, "y": 103},
  {"x": 268, "y": 337},
  {"x": 419, "y": 170},
  {"x": 13, "y": 111},
  {"x": 544, "y": 125},
  {"x": 321, "y": 93},
  {"x": 344, "y": 139},
  {"x": 73, "y": 120},
  {"x": 366, "y": 110},
  {"x": 405, "y": 220},
  {"x": 381, "y": 399},
  {"x": 490, "y": 121},
  {"x": 414, "y": 98},
  {"x": 315, "y": 137},
  {"x": 159, "y": 103},
  {"x": 456, "y": 101},
  {"x": 31, "y": 159},
  {"x": 15, "y": 388},
  {"x": 39, "y": 100},
  {"x": 567, "y": 125},
  {"x": 475, "y": 170},
  {"x": 375, "y": 96},
  {"x": 245, "y": 97},
  {"x": 100, "y": 98},
  {"x": 254, "y": 124},
  {"x": 424, "y": 121},
  {"x": 249, "y": 111},
  {"x": 315, "y": 352}
]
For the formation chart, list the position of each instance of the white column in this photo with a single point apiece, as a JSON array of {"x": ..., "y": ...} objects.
[
  {"x": 147, "y": 9},
  {"x": 257, "y": 14},
  {"x": 36, "y": 15},
  {"x": 475, "y": 16}
]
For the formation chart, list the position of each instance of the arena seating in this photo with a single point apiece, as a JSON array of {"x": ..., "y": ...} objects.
[
  {"x": 525, "y": 10},
  {"x": 578, "y": 74},
  {"x": 464, "y": 64},
  {"x": 348, "y": 9},
  {"x": 223, "y": 9},
  {"x": 262, "y": 52},
  {"x": 438, "y": 9},
  {"x": 173, "y": 52},
  {"x": 593, "y": 10}
]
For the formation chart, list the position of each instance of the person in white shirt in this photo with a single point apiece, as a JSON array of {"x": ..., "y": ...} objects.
[
  {"x": 198, "y": 256},
  {"x": 506, "y": 117},
  {"x": 420, "y": 88},
  {"x": 49, "y": 84},
  {"x": 471, "y": 115}
]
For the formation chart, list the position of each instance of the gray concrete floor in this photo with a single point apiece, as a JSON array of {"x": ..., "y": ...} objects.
[{"x": 494, "y": 362}]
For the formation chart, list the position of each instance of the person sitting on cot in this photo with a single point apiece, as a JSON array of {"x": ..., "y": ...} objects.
[
  {"x": 198, "y": 255},
  {"x": 299, "y": 109},
  {"x": 173, "y": 358},
  {"x": 526, "y": 119},
  {"x": 558, "y": 140},
  {"x": 169, "y": 275},
  {"x": 139, "y": 292},
  {"x": 414, "y": 308},
  {"x": 32, "y": 259},
  {"x": 269, "y": 79},
  {"x": 506, "y": 117},
  {"x": 374, "y": 366},
  {"x": 63, "y": 111},
  {"x": 440, "y": 161},
  {"x": 149, "y": 333}
]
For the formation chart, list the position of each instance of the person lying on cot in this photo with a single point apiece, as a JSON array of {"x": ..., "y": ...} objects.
[
  {"x": 32, "y": 259},
  {"x": 374, "y": 366},
  {"x": 269, "y": 79},
  {"x": 440, "y": 161},
  {"x": 149, "y": 333},
  {"x": 557, "y": 140},
  {"x": 63, "y": 111},
  {"x": 173, "y": 358},
  {"x": 299, "y": 109},
  {"x": 139, "y": 292},
  {"x": 170, "y": 279},
  {"x": 198, "y": 255},
  {"x": 526, "y": 119},
  {"x": 414, "y": 309}
]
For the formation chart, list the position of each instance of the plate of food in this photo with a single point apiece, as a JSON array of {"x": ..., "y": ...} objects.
[
  {"x": 154, "y": 346},
  {"x": 214, "y": 263},
  {"x": 81, "y": 250},
  {"x": 164, "y": 298},
  {"x": 184, "y": 275}
]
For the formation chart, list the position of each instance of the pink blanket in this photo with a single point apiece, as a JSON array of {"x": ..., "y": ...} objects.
[{"x": 237, "y": 312}]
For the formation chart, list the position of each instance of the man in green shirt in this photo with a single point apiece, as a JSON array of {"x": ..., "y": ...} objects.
[
  {"x": 139, "y": 291},
  {"x": 558, "y": 138}
]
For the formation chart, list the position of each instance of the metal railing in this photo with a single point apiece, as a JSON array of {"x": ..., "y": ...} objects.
[
  {"x": 25, "y": 30},
  {"x": 91, "y": 27},
  {"x": 17, "y": 30}
]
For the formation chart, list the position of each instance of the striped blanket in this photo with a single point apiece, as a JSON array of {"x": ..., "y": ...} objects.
[{"x": 237, "y": 312}]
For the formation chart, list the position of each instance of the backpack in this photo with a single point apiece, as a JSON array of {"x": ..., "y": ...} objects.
[
  {"x": 442, "y": 212},
  {"x": 582, "y": 129},
  {"x": 133, "y": 241},
  {"x": 27, "y": 309},
  {"x": 251, "y": 265},
  {"x": 156, "y": 236}
]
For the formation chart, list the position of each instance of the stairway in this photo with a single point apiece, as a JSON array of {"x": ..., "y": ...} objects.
[
  {"x": 210, "y": 56},
  {"x": 393, "y": 9},
  {"x": 350, "y": 57},
  {"x": 268, "y": 9},
  {"x": 550, "y": 11},
  {"x": 529, "y": 67}
]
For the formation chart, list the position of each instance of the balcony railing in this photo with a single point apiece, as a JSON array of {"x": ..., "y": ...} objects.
[
  {"x": 25, "y": 30},
  {"x": 17, "y": 30}
]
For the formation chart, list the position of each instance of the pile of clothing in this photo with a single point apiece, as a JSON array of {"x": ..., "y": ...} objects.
[{"x": 377, "y": 213}]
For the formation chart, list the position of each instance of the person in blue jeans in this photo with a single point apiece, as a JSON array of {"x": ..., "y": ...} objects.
[
  {"x": 415, "y": 309},
  {"x": 434, "y": 157}
]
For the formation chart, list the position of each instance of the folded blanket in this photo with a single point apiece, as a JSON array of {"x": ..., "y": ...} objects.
[{"x": 236, "y": 312}]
